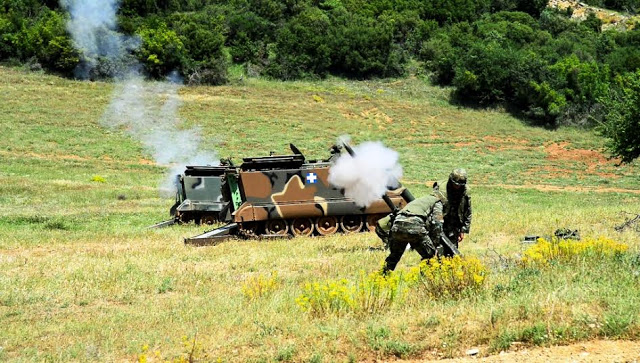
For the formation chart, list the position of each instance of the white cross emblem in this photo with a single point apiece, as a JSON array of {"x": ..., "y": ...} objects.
[{"x": 312, "y": 178}]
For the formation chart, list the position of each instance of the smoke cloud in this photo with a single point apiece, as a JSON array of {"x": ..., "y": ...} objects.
[
  {"x": 148, "y": 111},
  {"x": 366, "y": 176},
  {"x": 93, "y": 27}
]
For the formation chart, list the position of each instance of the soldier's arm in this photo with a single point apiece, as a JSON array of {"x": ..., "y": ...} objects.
[
  {"x": 437, "y": 217},
  {"x": 383, "y": 226},
  {"x": 466, "y": 223}
]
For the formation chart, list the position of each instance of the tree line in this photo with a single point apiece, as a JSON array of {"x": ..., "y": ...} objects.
[{"x": 536, "y": 61}]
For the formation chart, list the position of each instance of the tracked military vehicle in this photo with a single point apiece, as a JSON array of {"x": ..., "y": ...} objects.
[
  {"x": 199, "y": 195},
  {"x": 281, "y": 195}
]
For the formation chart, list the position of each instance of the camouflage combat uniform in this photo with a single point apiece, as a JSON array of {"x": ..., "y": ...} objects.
[
  {"x": 418, "y": 224},
  {"x": 456, "y": 205}
]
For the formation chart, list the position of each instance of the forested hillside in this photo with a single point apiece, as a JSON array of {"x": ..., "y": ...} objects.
[{"x": 535, "y": 60}]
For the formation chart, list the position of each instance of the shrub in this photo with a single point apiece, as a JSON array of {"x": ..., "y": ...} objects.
[
  {"x": 248, "y": 36},
  {"x": 542, "y": 102},
  {"x": 449, "y": 276},
  {"x": 545, "y": 252},
  {"x": 202, "y": 34},
  {"x": 621, "y": 123},
  {"x": 440, "y": 58},
  {"x": 375, "y": 292},
  {"x": 453, "y": 11},
  {"x": 302, "y": 47},
  {"x": 162, "y": 51},
  {"x": 258, "y": 286},
  {"x": 322, "y": 298},
  {"x": 492, "y": 72},
  {"x": 363, "y": 47},
  {"x": 531, "y": 7},
  {"x": 370, "y": 294}
]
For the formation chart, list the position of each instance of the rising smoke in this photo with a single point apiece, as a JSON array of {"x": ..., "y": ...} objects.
[
  {"x": 149, "y": 112},
  {"x": 146, "y": 110},
  {"x": 93, "y": 27},
  {"x": 366, "y": 176}
]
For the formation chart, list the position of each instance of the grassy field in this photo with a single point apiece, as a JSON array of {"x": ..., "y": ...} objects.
[{"x": 82, "y": 279}]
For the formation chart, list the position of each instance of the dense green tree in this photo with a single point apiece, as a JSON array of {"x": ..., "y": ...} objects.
[
  {"x": 363, "y": 47},
  {"x": 162, "y": 51},
  {"x": 302, "y": 47},
  {"x": 622, "y": 117}
]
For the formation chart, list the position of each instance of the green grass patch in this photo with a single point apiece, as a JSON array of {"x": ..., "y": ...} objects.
[{"x": 81, "y": 278}]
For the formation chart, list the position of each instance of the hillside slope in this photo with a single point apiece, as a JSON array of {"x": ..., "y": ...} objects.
[{"x": 81, "y": 278}]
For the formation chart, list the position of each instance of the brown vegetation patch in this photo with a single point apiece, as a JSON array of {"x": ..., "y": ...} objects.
[
  {"x": 464, "y": 144},
  {"x": 594, "y": 161},
  {"x": 559, "y": 151},
  {"x": 377, "y": 115},
  {"x": 146, "y": 162},
  {"x": 505, "y": 140}
]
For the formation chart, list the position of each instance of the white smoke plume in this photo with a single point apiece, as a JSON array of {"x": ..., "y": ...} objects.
[
  {"x": 149, "y": 112},
  {"x": 93, "y": 27},
  {"x": 366, "y": 176},
  {"x": 146, "y": 110}
]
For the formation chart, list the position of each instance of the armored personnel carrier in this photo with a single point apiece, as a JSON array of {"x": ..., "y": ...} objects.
[{"x": 276, "y": 195}]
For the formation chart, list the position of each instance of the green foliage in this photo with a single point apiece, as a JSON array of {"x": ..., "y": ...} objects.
[
  {"x": 363, "y": 47},
  {"x": 543, "y": 102},
  {"x": 535, "y": 60},
  {"x": 621, "y": 123},
  {"x": 454, "y": 11},
  {"x": 248, "y": 36},
  {"x": 202, "y": 34},
  {"x": 631, "y": 6},
  {"x": 162, "y": 51},
  {"x": 531, "y": 7},
  {"x": 41, "y": 39},
  {"x": 379, "y": 338},
  {"x": 302, "y": 47}
]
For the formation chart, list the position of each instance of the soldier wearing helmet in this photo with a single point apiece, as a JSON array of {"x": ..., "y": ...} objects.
[{"x": 456, "y": 201}]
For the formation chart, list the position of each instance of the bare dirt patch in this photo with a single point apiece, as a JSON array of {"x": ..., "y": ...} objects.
[
  {"x": 559, "y": 151},
  {"x": 592, "y": 351},
  {"x": 594, "y": 161}
]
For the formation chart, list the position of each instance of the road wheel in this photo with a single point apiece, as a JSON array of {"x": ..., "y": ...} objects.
[
  {"x": 277, "y": 226},
  {"x": 208, "y": 219},
  {"x": 249, "y": 229},
  {"x": 302, "y": 227},
  {"x": 372, "y": 220},
  {"x": 327, "y": 225},
  {"x": 351, "y": 224}
]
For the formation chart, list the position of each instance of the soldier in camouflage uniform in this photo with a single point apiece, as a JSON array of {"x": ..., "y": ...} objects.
[
  {"x": 456, "y": 200},
  {"x": 418, "y": 224}
]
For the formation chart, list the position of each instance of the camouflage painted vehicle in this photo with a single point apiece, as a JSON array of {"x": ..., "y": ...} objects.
[
  {"x": 285, "y": 194},
  {"x": 288, "y": 195},
  {"x": 199, "y": 195}
]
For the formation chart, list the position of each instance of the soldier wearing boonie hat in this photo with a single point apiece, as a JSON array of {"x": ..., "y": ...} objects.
[{"x": 457, "y": 205}]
